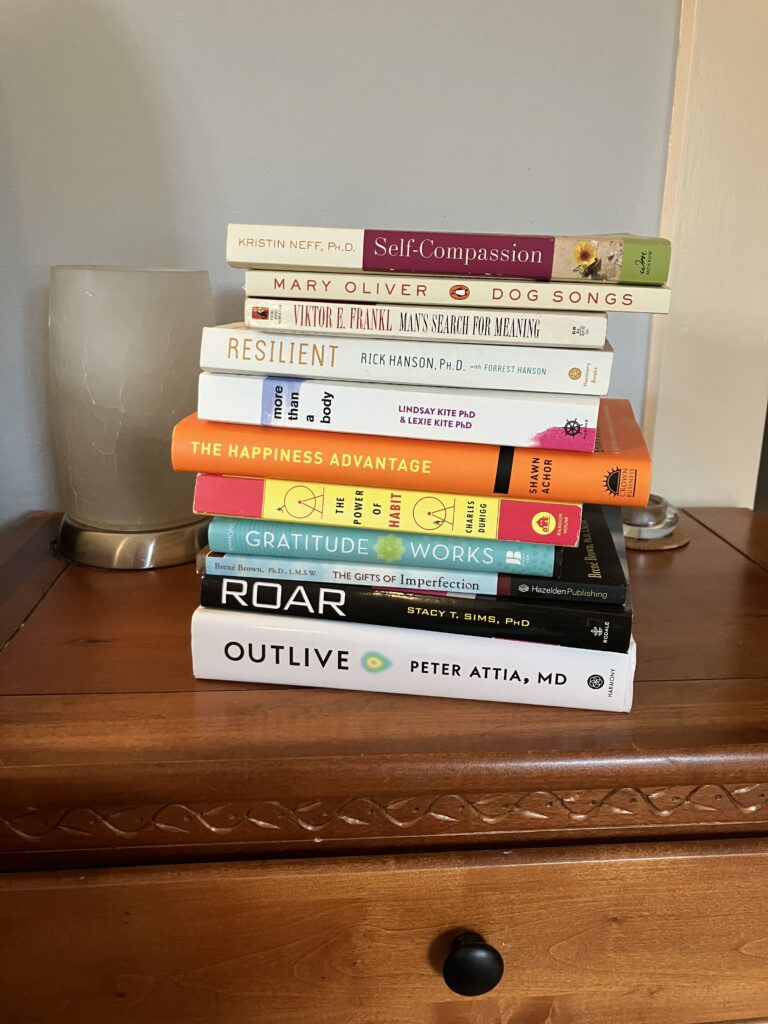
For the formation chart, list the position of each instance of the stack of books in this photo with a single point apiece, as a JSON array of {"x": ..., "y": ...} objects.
[{"x": 408, "y": 456}]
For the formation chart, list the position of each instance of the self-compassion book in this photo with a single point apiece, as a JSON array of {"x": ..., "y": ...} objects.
[{"x": 616, "y": 258}]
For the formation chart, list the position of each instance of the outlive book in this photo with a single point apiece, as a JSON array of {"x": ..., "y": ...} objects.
[{"x": 353, "y": 656}]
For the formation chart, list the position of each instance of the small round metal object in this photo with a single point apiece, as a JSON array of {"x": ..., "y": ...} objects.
[{"x": 472, "y": 967}]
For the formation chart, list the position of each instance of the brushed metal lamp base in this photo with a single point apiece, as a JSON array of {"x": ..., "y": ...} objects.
[{"x": 108, "y": 549}]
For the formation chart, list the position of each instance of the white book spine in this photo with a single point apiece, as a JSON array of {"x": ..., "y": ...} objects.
[
  {"x": 459, "y": 292},
  {"x": 505, "y": 327},
  {"x": 353, "y": 656},
  {"x": 382, "y": 577},
  {"x": 564, "y": 371},
  {"x": 520, "y": 419}
]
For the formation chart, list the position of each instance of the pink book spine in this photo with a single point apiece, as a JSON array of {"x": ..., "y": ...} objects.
[
  {"x": 229, "y": 496},
  {"x": 443, "y": 252}
]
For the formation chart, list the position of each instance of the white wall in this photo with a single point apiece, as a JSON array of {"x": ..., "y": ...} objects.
[{"x": 132, "y": 131}]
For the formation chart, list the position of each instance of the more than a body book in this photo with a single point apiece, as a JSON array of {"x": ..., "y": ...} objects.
[
  {"x": 459, "y": 292},
  {"x": 527, "y": 419},
  {"x": 234, "y": 348},
  {"x": 387, "y": 548},
  {"x": 278, "y": 649},
  {"x": 369, "y": 508},
  {"x": 592, "y": 626},
  {"x": 471, "y": 326},
  {"x": 617, "y": 472},
  {"x": 618, "y": 258}
]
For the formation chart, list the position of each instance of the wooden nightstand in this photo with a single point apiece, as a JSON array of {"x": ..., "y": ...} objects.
[{"x": 202, "y": 852}]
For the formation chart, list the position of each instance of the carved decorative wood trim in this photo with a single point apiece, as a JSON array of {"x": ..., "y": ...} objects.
[{"x": 623, "y": 809}]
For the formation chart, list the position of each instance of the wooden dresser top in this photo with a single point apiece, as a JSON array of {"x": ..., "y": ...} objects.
[{"x": 111, "y": 752}]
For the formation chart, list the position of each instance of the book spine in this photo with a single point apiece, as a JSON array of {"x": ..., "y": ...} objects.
[
  {"x": 443, "y": 581},
  {"x": 278, "y": 649},
  {"x": 617, "y": 258},
  {"x": 527, "y": 419},
  {"x": 269, "y": 539},
  {"x": 569, "y": 625},
  {"x": 531, "y": 587},
  {"x": 471, "y": 326},
  {"x": 493, "y": 367},
  {"x": 369, "y": 508},
  {"x": 459, "y": 292},
  {"x": 618, "y": 473}
]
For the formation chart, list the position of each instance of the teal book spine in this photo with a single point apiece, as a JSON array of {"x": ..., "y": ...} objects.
[
  {"x": 376, "y": 576},
  {"x": 328, "y": 543}
]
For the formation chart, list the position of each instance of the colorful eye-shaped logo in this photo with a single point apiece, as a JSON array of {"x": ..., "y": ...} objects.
[
  {"x": 459, "y": 292},
  {"x": 374, "y": 662}
]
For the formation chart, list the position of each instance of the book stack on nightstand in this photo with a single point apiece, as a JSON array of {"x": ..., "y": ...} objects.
[{"x": 407, "y": 451}]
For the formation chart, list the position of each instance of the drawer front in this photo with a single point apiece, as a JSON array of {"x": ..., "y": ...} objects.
[{"x": 656, "y": 934}]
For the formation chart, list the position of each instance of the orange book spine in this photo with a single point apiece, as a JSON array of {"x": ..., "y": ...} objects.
[{"x": 618, "y": 474}]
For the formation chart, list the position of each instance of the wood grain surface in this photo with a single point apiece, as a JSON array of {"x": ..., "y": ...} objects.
[
  {"x": 655, "y": 934},
  {"x": 111, "y": 748},
  {"x": 743, "y": 529}
]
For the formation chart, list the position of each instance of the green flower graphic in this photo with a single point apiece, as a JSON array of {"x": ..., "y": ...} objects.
[
  {"x": 389, "y": 549},
  {"x": 373, "y": 662}
]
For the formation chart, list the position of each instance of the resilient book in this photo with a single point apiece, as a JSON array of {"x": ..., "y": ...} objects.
[{"x": 234, "y": 348}]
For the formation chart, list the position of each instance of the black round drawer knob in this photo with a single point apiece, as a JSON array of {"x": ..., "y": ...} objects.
[{"x": 472, "y": 967}]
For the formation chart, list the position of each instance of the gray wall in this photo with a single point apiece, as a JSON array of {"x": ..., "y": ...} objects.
[{"x": 132, "y": 131}]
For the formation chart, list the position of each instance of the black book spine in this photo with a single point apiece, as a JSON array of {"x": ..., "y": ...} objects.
[
  {"x": 568, "y": 625},
  {"x": 539, "y": 588}
]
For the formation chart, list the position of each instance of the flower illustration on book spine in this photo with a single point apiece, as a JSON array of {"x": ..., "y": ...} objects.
[
  {"x": 374, "y": 662},
  {"x": 389, "y": 549},
  {"x": 586, "y": 259}
]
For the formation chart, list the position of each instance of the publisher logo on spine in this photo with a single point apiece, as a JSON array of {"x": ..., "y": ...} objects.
[
  {"x": 260, "y": 313},
  {"x": 620, "y": 483},
  {"x": 543, "y": 523},
  {"x": 595, "y": 682},
  {"x": 459, "y": 292}
]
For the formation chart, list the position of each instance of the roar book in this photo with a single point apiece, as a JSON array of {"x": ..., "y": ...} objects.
[
  {"x": 569, "y": 624},
  {"x": 280, "y": 649},
  {"x": 525, "y": 418},
  {"x": 617, "y": 472},
  {"x": 235, "y": 349},
  {"x": 616, "y": 258},
  {"x": 460, "y": 292},
  {"x": 564, "y": 330},
  {"x": 369, "y": 508},
  {"x": 387, "y": 548}
]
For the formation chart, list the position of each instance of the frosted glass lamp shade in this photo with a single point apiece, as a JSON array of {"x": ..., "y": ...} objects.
[{"x": 124, "y": 361}]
